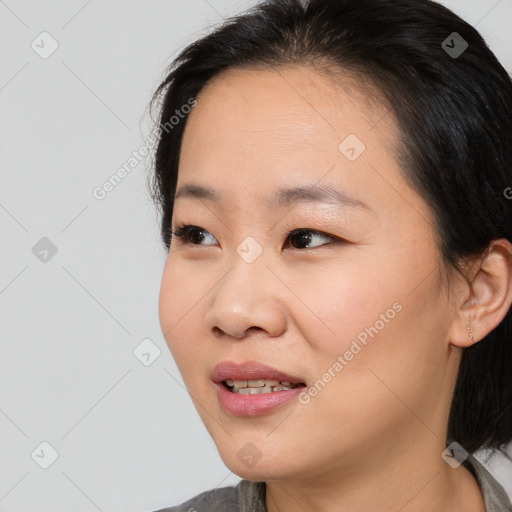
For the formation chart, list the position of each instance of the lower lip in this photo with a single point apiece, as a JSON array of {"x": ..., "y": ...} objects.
[{"x": 251, "y": 405}]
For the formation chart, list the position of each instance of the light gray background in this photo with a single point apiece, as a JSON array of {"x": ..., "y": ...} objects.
[{"x": 127, "y": 435}]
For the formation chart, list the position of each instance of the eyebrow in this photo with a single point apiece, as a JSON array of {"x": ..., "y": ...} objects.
[{"x": 283, "y": 198}]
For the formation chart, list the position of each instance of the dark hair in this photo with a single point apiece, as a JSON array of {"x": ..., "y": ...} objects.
[{"x": 455, "y": 120}]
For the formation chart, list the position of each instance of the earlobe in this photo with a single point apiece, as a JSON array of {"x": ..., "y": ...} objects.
[
  {"x": 471, "y": 335},
  {"x": 488, "y": 296},
  {"x": 463, "y": 333}
]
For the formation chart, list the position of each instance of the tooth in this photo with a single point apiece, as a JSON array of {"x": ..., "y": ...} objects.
[
  {"x": 256, "y": 383},
  {"x": 249, "y": 391},
  {"x": 240, "y": 383},
  {"x": 260, "y": 390},
  {"x": 281, "y": 388},
  {"x": 270, "y": 382},
  {"x": 229, "y": 382},
  {"x": 286, "y": 383}
]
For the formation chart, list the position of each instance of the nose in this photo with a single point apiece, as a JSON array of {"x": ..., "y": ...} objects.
[{"x": 247, "y": 299}]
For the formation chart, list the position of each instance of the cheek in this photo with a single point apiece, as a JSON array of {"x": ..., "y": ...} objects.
[
  {"x": 176, "y": 326},
  {"x": 176, "y": 309},
  {"x": 183, "y": 302},
  {"x": 166, "y": 300},
  {"x": 336, "y": 304},
  {"x": 180, "y": 295}
]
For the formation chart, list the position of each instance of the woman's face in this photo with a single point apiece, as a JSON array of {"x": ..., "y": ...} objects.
[{"x": 351, "y": 307}]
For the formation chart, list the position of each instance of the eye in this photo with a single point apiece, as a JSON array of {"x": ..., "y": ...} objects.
[
  {"x": 304, "y": 236},
  {"x": 189, "y": 234},
  {"x": 186, "y": 233}
]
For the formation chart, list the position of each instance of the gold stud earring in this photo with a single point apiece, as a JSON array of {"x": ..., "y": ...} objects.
[{"x": 470, "y": 335}]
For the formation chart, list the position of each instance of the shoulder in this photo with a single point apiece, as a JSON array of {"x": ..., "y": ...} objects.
[
  {"x": 495, "y": 496},
  {"x": 246, "y": 496}
]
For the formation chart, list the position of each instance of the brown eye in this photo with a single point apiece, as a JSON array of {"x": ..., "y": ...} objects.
[
  {"x": 190, "y": 234},
  {"x": 301, "y": 237}
]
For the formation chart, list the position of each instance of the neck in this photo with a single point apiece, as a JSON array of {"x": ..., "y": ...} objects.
[{"x": 416, "y": 479}]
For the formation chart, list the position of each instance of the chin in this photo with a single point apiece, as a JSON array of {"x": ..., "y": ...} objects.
[
  {"x": 260, "y": 472},
  {"x": 248, "y": 462}
]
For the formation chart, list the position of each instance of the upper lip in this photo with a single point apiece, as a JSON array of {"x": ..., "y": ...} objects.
[{"x": 251, "y": 370}]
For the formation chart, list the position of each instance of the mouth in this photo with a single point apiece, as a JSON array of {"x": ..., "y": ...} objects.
[
  {"x": 259, "y": 386},
  {"x": 253, "y": 388},
  {"x": 253, "y": 378}
]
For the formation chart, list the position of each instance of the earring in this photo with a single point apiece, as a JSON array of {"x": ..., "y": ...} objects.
[{"x": 470, "y": 335}]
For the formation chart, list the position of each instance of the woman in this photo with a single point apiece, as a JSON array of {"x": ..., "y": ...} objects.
[{"x": 334, "y": 179}]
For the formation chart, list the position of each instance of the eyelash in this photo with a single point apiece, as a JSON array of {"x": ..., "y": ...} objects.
[{"x": 182, "y": 231}]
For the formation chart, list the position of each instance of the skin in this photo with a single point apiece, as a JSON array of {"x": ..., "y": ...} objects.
[{"x": 372, "y": 438}]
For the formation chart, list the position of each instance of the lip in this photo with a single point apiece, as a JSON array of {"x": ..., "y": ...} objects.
[
  {"x": 251, "y": 370},
  {"x": 251, "y": 405}
]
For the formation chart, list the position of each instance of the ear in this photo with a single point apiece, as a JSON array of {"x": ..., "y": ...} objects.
[{"x": 487, "y": 298}]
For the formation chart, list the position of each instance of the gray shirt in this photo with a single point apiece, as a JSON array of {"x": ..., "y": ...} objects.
[{"x": 248, "y": 496}]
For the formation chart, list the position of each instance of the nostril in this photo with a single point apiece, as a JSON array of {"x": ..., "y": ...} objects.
[
  {"x": 254, "y": 328},
  {"x": 219, "y": 332},
  {"x": 244, "y": 333}
]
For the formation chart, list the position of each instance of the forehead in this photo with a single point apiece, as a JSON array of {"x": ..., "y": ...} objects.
[
  {"x": 260, "y": 129},
  {"x": 287, "y": 102}
]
